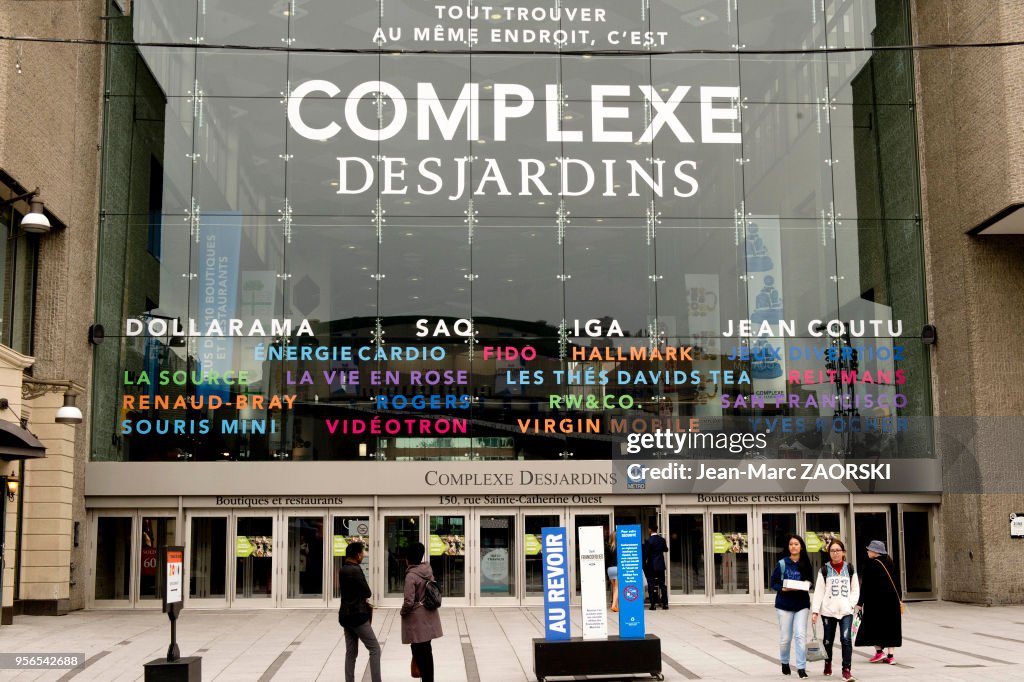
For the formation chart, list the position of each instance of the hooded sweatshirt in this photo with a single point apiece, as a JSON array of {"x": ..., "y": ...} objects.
[{"x": 836, "y": 595}]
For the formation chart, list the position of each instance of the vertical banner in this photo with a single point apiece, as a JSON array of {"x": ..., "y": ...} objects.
[
  {"x": 631, "y": 582},
  {"x": 219, "y": 246},
  {"x": 592, "y": 580},
  {"x": 764, "y": 301},
  {"x": 704, "y": 325},
  {"x": 556, "y": 583}
]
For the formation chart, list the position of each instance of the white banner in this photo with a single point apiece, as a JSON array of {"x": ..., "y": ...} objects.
[{"x": 592, "y": 580}]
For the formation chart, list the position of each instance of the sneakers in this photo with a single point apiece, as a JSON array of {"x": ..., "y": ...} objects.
[
  {"x": 847, "y": 675},
  {"x": 877, "y": 658},
  {"x": 828, "y": 668},
  {"x": 785, "y": 669},
  {"x": 890, "y": 660},
  {"x": 801, "y": 673}
]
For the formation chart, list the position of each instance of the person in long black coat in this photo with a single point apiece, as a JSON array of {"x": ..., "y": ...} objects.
[{"x": 880, "y": 599}]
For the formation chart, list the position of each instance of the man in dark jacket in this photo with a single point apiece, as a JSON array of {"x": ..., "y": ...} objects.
[
  {"x": 655, "y": 549},
  {"x": 355, "y": 613}
]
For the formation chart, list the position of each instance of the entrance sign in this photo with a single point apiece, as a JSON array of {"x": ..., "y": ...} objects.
[
  {"x": 631, "y": 588},
  {"x": 592, "y": 579},
  {"x": 175, "y": 571},
  {"x": 556, "y": 583}
]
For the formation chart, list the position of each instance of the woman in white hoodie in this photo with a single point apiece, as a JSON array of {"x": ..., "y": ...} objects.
[{"x": 836, "y": 593}]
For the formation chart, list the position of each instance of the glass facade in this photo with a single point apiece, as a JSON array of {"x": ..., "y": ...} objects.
[{"x": 333, "y": 165}]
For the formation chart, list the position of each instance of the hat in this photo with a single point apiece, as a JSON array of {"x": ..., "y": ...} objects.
[{"x": 877, "y": 546}]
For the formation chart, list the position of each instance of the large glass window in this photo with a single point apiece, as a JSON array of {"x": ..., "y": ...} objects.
[
  {"x": 19, "y": 258},
  {"x": 507, "y": 182}
]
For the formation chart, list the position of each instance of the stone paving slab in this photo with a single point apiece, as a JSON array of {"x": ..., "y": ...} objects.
[{"x": 942, "y": 641}]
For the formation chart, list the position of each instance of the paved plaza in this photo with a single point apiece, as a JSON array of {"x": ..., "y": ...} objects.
[{"x": 942, "y": 641}]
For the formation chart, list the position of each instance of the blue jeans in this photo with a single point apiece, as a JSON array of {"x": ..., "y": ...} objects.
[
  {"x": 845, "y": 626},
  {"x": 793, "y": 626}
]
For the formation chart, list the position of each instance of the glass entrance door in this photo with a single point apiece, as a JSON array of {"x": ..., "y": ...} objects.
[
  {"x": 869, "y": 523},
  {"x": 156, "y": 532},
  {"x": 401, "y": 530},
  {"x": 305, "y": 563},
  {"x": 352, "y": 526},
  {"x": 127, "y": 572},
  {"x": 534, "y": 521},
  {"x": 254, "y": 549},
  {"x": 916, "y": 543},
  {"x": 112, "y": 572},
  {"x": 821, "y": 525},
  {"x": 687, "y": 556},
  {"x": 776, "y": 526},
  {"x": 499, "y": 544},
  {"x": 206, "y": 555},
  {"x": 446, "y": 551},
  {"x": 730, "y": 541}
]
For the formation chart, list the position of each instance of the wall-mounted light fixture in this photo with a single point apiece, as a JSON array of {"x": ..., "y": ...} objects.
[
  {"x": 35, "y": 221},
  {"x": 69, "y": 414},
  {"x": 12, "y": 486},
  {"x": 5, "y": 404}
]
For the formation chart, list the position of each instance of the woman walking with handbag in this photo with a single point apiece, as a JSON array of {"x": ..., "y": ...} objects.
[
  {"x": 881, "y": 605},
  {"x": 792, "y": 602},
  {"x": 419, "y": 624},
  {"x": 836, "y": 593}
]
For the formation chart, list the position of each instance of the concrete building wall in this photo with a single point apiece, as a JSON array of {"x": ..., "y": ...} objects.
[
  {"x": 971, "y": 102},
  {"x": 49, "y": 137}
]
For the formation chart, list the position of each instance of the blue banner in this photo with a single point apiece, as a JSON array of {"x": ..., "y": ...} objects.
[
  {"x": 556, "y": 583},
  {"x": 631, "y": 582},
  {"x": 217, "y": 292}
]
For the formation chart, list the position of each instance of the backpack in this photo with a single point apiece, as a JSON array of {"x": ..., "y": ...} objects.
[{"x": 431, "y": 596}]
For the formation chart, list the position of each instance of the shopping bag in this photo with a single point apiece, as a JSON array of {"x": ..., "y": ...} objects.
[
  {"x": 414, "y": 669},
  {"x": 815, "y": 652},
  {"x": 855, "y": 626}
]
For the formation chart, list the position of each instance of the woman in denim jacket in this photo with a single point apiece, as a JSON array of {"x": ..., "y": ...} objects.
[{"x": 791, "y": 604}]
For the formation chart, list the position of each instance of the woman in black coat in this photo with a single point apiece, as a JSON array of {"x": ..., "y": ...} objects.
[{"x": 880, "y": 601}]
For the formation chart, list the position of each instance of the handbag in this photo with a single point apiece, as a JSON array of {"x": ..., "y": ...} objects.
[
  {"x": 903, "y": 608},
  {"x": 855, "y": 626},
  {"x": 815, "y": 652},
  {"x": 414, "y": 668}
]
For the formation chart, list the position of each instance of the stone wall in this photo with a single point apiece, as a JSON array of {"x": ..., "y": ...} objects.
[
  {"x": 971, "y": 102},
  {"x": 52, "y": 97}
]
